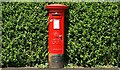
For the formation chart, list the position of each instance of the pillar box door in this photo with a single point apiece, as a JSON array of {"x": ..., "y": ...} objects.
[{"x": 55, "y": 35}]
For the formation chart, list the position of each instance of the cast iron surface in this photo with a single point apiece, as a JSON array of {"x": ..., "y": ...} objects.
[{"x": 56, "y": 61}]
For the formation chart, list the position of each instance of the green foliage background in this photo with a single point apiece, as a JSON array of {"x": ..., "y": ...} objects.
[{"x": 92, "y": 34}]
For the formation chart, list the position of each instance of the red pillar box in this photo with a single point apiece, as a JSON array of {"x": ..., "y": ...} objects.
[{"x": 56, "y": 34}]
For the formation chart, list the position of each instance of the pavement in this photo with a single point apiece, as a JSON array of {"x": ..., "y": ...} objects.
[{"x": 20, "y": 68}]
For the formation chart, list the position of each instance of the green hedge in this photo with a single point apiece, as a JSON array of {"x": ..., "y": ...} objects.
[
  {"x": 92, "y": 34},
  {"x": 24, "y": 34}
]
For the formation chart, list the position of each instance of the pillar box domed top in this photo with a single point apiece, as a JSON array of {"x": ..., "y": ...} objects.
[{"x": 56, "y": 7}]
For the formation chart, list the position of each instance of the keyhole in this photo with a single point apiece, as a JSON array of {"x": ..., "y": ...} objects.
[{"x": 60, "y": 36}]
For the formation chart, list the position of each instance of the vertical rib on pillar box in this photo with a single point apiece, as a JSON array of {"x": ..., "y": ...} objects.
[{"x": 56, "y": 35}]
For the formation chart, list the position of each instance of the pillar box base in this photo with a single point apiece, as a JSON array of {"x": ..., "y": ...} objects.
[{"x": 56, "y": 60}]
